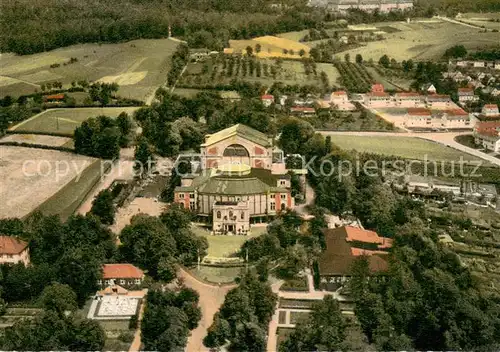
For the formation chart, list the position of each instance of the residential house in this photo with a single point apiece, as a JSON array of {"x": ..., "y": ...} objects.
[
  {"x": 13, "y": 251},
  {"x": 339, "y": 100},
  {"x": 267, "y": 100},
  {"x": 438, "y": 100},
  {"x": 429, "y": 88},
  {"x": 419, "y": 118},
  {"x": 343, "y": 246},
  {"x": 126, "y": 275},
  {"x": 456, "y": 119},
  {"x": 487, "y": 134},
  {"x": 479, "y": 64},
  {"x": 410, "y": 99},
  {"x": 490, "y": 110},
  {"x": 466, "y": 95},
  {"x": 378, "y": 99}
]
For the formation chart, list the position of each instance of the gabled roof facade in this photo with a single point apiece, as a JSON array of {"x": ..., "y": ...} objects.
[
  {"x": 12, "y": 245},
  {"x": 239, "y": 130}
]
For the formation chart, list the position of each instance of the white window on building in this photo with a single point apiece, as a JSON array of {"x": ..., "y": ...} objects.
[
  {"x": 99, "y": 282},
  {"x": 273, "y": 206},
  {"x": 191, "y": 195},
  {"x": 272, "y": 196},
  {"x": 219, "y": 215},
  {"x": 122, "y": 282},
  {"x": 181, "y": 195},
  {"x": 283, "y": 196},
  {"x": 192, "y": 205},
  {"x": 137, "y": 281},
  {"x": 282, "y": 182}
]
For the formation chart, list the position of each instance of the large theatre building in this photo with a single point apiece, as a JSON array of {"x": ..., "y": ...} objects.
[{"x": 242, "y": 181}]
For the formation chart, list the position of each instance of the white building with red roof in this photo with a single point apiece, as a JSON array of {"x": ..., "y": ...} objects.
[
  {"x": 121, "y": 274},
  {"x": 490, "y": 110},
  {"x": 13, "y": 251},
  {"x": 378, "y": 100},
  {"x": 409, "y": 99},
  {"x": 466, "y": 95},
  {"x": 267, "y": 100},
  {"x": 438, "y": 100},
  {"x": 487, "y": 134}
]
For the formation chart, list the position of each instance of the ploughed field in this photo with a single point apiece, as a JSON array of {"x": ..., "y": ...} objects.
[{"x": 51, "y": 181}]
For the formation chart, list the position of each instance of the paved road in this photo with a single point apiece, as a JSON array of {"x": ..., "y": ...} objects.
[
  {"x": 211, "y": 298},
  {"x": 445, "y": 138}
]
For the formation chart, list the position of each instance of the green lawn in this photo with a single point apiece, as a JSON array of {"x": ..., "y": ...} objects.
[
  {"x": 64, "y": 121},
  {"x": 405, "y": 147},
  {"x": 226, "y": 246},
  {"x": 218, "y": 274}
]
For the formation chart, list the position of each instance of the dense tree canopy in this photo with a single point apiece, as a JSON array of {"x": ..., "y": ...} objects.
[
  {"x": 168, "y": 317},
  {"x": 244, "y": 317}
]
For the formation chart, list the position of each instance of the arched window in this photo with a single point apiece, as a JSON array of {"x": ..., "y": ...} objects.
[
  {"x": 236, "y": 150},
  {"x": 242, "y": 215},
  {"x": 230, "y": 214},
  {"x": 283, "y": 207},
  {"x": 219, "y": 215}
]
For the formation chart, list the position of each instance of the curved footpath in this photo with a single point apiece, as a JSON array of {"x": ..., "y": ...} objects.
[{"x": 445, "y": 138}]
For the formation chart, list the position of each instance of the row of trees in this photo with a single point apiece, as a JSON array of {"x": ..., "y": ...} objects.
[{"x": 354, "y": 77}]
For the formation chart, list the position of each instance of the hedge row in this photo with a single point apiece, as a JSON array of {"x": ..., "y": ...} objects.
[
  {"x": 55, "y": 134},
  {"x": 38, "y": 146}
]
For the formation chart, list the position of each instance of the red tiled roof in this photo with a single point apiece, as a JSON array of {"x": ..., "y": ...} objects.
[
  {"x": 121, "y": 271},
  {"x": 488, "y": 128},
  {"x": 465, "y": 90},
  {"x": 377, "y": 87},
  {"x": 407, "y": 94},
  {"x": 438, "y": 96},
  {"x": 339, "y": 256},
  {"x": 340, "y": 92},
  {"x": 54, "y": 97},
  {"x": 456, "y": 112},
  {"x": 267, "y": 97},
  {"x": 356, "y": 234},
  {"x": 490, "y": 106},
  {"x": 378, "y": 94},
  {"x": 419, "y": 111},
  {"x": 12, "y": 245}
]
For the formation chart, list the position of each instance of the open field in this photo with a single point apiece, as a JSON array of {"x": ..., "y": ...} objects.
[
  {"x": 270, "y": 47},
  {"x": 488, "y": 20},
  {"x": 215, "y": 274},
  {"x": 225, "y": 246},
  {"x": 44, "y": 179},
  {"x": 50, "y": 141},
  {"x": 224, "y": 68},
  {"x": 139, "y": 67},
  {"x": 424, "y": 40},
  {"x": 65, "y": 121},
  {"x": 405, "y": 147}
]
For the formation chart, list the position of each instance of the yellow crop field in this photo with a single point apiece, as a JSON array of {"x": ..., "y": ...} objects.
[{"x": 270, "y": 47}]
